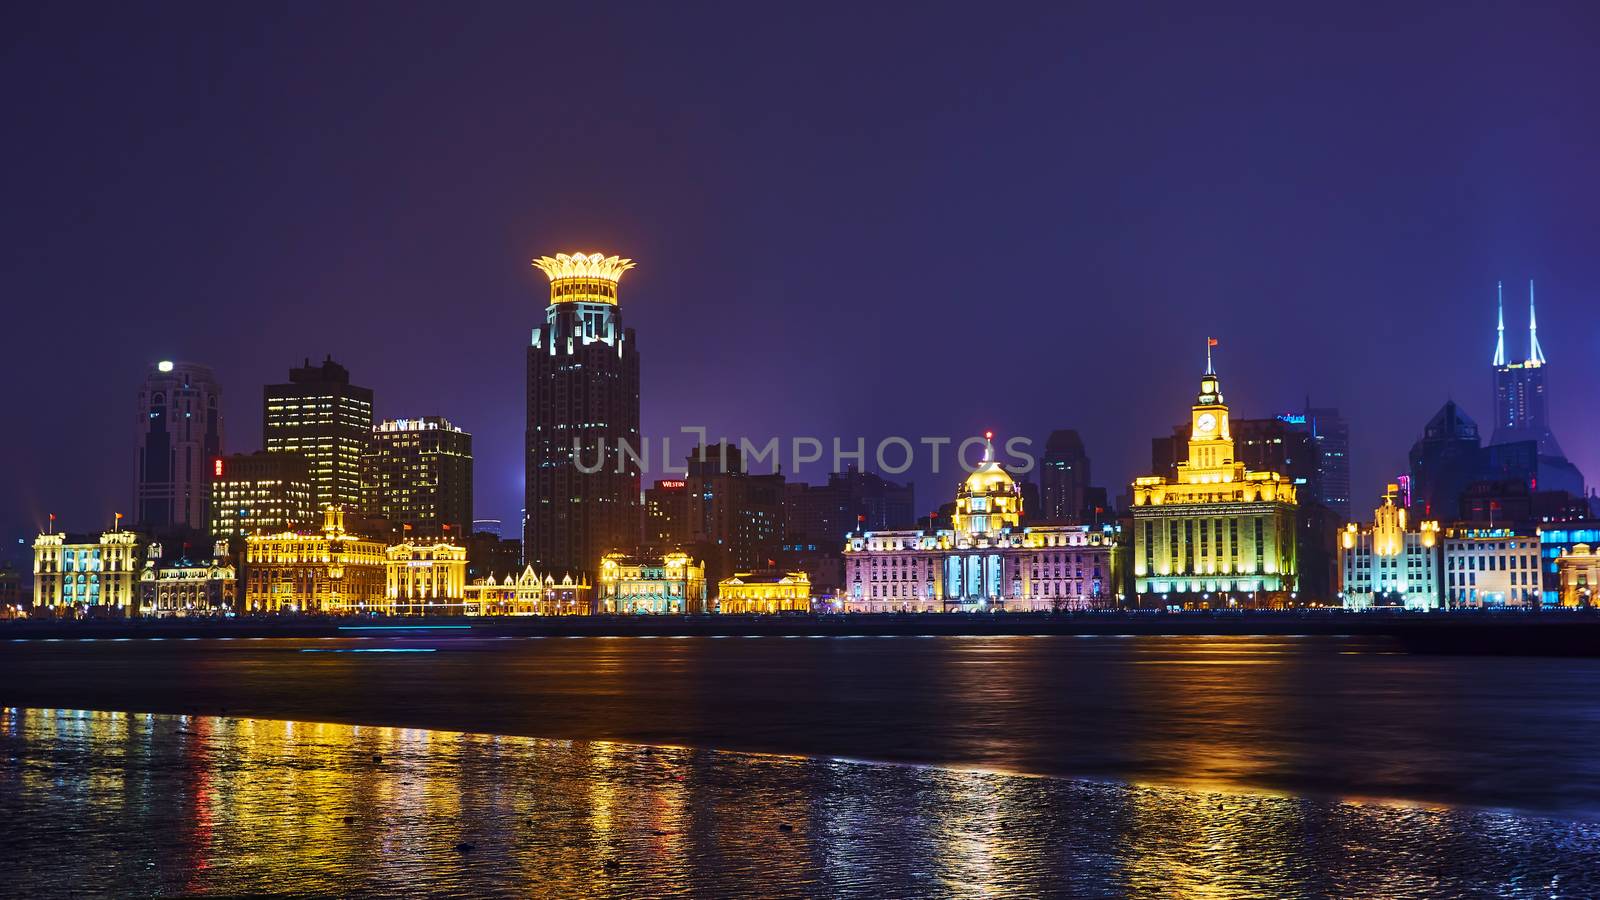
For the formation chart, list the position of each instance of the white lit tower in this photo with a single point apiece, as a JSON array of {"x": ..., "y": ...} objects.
[{"x": 1520, "y": 406}]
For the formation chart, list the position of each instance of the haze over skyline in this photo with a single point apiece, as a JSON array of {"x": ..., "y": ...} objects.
[{"x": 840, "y": 230}]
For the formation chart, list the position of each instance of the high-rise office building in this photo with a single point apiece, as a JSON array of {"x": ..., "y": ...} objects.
[
  {"x": 1330, "y": 436},
  {"x": 180, "y": 432},
  {"x": 260, "y": 493},
  {"x": 1444, "y": 461},
  {"x": 417, "y": 475},
  {"x": 582, "y": 488},
  {"x": 1063, "y": 478},
  {"x": 1521, "y": 412},
  {"x": 320, "y": 415}
]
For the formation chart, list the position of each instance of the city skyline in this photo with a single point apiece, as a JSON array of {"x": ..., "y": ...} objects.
[{"x": 781, "y": 299}]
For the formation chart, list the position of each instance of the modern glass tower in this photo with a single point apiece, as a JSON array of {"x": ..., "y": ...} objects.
[
  {"x": 582, "y": 490},
  {"x": 1520, "y": 409},
  {"x": 180, "y": 433}
]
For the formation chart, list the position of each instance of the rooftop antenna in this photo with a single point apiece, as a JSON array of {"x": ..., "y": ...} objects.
[
  {"x": 1535, "y": 353},
  {"x": 1500, "y": 331}
]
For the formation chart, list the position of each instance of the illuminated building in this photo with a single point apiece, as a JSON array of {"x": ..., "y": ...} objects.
[
  {"x": 189, "y": 588},
  {"x": 417, "y": 475},
  {"x": 425, "y": 578},
  {"x": 1390, "y": 564},
  {"x": 1558, "y": 539},
  {"x": 1329, "y": 434},
  {"x": 260, "y": 493},
  {"x": 1491, "y": 567},
  {"x": 1215, "y": 533},
  {"x": 1064, "y": 478},
  {"x": 985, "y": 561},
  {"x": 180, "y": 432},
  {"x": 1284, "y": 444},
  {"x": 82, "y": 575},
  {"x": 583, "y": 405},
  {"x": 1520, "y": 407},
  {"x": 528, "y": 594},
  {"x": 331, "y": 571},
  {"x": 731, "y": 520},
  {"x": 666, "y": 516},
  {"x": 1579, "y": 572},
  {"x": 320, "y": 415},
  {"x": 674, "y": 584},
  {"x": 764, "y": 592}
]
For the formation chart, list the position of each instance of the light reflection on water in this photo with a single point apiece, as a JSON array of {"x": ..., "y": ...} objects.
[{"x": 138, "y": 804}]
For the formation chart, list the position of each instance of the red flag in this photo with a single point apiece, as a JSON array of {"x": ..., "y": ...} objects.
[{"x": 1211, "y": 342}]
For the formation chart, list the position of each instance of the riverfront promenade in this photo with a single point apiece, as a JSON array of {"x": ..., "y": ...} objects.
[{"x": 1506, "y": 632}]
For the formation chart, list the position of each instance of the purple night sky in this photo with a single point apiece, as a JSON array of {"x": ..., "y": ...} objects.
[{"x": 847, "y": 220}]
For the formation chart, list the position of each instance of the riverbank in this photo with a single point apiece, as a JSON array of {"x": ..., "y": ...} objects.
[{"x": 1509, "y": 632}]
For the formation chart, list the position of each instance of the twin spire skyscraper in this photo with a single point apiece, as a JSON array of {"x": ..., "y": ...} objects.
[{"x": 1520, "y": 405}]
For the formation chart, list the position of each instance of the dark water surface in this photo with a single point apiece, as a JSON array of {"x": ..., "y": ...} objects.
[{"x": 1264, "y": 766}]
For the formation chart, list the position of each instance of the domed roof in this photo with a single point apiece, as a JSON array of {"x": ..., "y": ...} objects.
[{"x": 989, "y": 478}]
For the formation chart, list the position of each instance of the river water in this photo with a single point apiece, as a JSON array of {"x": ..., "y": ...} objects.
[{"x": 797, "y": 767}]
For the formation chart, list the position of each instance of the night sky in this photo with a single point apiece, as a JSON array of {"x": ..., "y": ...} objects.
[{"x": 847, "y": 220}]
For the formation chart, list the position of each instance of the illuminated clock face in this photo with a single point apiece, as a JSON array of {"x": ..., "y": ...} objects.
[{"x": 1206, "y": 423}]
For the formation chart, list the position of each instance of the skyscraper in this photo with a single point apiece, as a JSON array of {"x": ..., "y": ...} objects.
[
  {"x": 180, "y": 432},
  {"x": 582, "y": 490},
  {"x": 1520, "y": 410},
  {"x": 320, "y": 415},
  {"x": 1063, "y": 477},
  {"x": 418, "y": 473}
]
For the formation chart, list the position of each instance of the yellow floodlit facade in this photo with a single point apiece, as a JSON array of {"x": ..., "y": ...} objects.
[
  {"x": 425, "y": 578},
  {"x": 87, "y": 577},
  {"x": 675, "y": 584},
  {"x": 528, "y": 594},
  {"x": 1217, "y": 534},
  {"x": 1578, "y": 571},
  {"x": 333, "y": 571},
  {"x": 189, "y": 588},
  {"x": 764, "y": 592}
]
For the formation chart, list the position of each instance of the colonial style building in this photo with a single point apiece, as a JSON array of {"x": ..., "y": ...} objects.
[
  {"x": 331, "y": 571},
  {"x": 985, "y": 561},
  {"x": 764, "y": 592},
  {"x": 1215, "y": 533},
  {"x": 1579, "y": 573},
  {"x": 1390, "y": 564},
  {"x": 87, "y": 576},
  {"x": 425, "y": 578},
  {"x": 528, "y": 594},
  {"x": 189, "y": 588},
  {"x": 1491, "y": 567},
  {"x": 673, "y": 584}
]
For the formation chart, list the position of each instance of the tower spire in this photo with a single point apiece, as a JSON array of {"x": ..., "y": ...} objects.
[
  {"x": 1535, "y": 352},
  {"x": 1210, "y": 342},
  {"x": 1500, "y": 331}
]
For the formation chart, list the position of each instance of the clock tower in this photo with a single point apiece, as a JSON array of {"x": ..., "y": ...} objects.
[{"x": 1210, "y": 441}]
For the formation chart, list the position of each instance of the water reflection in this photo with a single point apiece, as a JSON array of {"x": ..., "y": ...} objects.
[{"x": 179, "y": 804}]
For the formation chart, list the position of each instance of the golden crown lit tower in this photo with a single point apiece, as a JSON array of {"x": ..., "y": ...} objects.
[
  {"x": 583, "y": 405},
  {"x": 1217, "y": 534}
]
